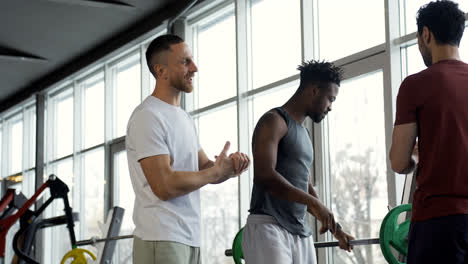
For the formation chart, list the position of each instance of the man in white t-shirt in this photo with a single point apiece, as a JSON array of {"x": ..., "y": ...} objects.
[{"x": 167, "y": 164}]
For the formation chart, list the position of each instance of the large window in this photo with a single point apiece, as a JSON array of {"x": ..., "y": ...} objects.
[
  {"x": 62, "y": 116},
  {"x": 125, "y": 198},
  {"x": 127, "y": 92},
  {"x": 65, "y": 171},
  {"x": 409, "y": 10},
  {"x": 93, "y": 192},
  {"x": 16, "y": 145},
  {"x": 266, "y": 101},
  {"x": 219, "y": 223},
  {"x": 93, "y": 111},
  {"x": 276, "y": 40},
  {"x": 216, "y": 58},
  {"x": 414, "y": 61},
  {"x": 86, "y": 118},
  {"x": 215, "y": 55},
  {"x": 340, "y": 39},
  {"x": 358, "y": 163}
]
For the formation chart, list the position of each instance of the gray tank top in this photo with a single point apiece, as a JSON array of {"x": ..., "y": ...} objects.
[{"x": 294, "y": 158}]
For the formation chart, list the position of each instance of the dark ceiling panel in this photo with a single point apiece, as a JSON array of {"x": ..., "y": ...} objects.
[
  {"x": 11, "y": 70},
  {"x": 95, "y": 3}
]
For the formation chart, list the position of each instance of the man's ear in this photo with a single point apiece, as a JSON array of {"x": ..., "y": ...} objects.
[
  {"x": 315, "y": 90},
  {"x": 427, "y": 35},
  {"x": 160, "y": 70}
]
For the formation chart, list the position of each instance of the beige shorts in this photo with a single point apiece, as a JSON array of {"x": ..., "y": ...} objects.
[{"x": 164, "y": 252}]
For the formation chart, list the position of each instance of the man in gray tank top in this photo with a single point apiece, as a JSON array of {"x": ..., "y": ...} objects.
[{"x": 276, "y": 232}]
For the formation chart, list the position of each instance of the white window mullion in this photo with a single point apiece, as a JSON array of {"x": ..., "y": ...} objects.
[
  {"x": 308, "y": 26},
  {"x": 109, "y": 77},
  {"x": 242, "y": 12},
  {"x": 392, "y": 80},
  {"x": 3, "y": 150},
  {"x": 25, "y": 141},
  {"x": 146, "y": 89}
]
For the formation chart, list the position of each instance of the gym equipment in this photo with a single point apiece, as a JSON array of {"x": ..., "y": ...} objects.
[
  {"x": 391, "y": 234},
  {"x": 12, "y": 200},
  {"x": 111, "y": 230},
  {"x": 28, "y": 234},
  {"x": 58, "y": 189},
  {"x": 30, "y": 221},
  {"x": 95, "y": 240},
  {"x": 394, "y": 234},
  {"x": 78, "y": 256}
]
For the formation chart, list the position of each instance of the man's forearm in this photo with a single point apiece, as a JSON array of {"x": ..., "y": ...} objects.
[
  {"x": 180, "y": 183},
  {"x": 312, "y": 191},
  {"x": 207, "y": 165}
]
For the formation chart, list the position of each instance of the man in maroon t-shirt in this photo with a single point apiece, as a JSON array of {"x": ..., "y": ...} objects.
[{"x": 432, "y": 106}]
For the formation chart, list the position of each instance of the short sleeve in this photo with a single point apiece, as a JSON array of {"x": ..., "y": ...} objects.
[
  {"x": 149, "y": 135},
  {"x": 406, "y": 104}
]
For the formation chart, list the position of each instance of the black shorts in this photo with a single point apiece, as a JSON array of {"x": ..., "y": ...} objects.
[{"x": 439, "y": 240}]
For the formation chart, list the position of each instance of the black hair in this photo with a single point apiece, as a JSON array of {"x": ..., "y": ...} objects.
[
  {"x": 158, "y": 45},
  {"x": 321, "y": 73},
  {"x": 444, "y": 19}
]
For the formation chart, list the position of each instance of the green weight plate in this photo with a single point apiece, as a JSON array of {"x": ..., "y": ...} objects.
[
  {"x": 394, "y": 235},
  {"x": 237, "y": 247}
]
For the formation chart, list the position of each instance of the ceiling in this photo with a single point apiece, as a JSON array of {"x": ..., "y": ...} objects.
[{"x": 44, "y": 41}]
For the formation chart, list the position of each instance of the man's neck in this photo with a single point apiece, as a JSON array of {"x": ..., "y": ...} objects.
[
  {"x": 445, "y": 52},
  {"x": 167, "y": 94},
  {"x": 295, "y": 110}
]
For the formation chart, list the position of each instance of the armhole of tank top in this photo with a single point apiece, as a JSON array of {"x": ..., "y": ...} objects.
[{"x": 281, "y": 113}]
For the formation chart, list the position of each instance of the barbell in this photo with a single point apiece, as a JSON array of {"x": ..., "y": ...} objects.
[{"x": 392, "y": 235}]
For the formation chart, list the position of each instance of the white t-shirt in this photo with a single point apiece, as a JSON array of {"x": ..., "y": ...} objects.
[{"x": 156, "y": 127}]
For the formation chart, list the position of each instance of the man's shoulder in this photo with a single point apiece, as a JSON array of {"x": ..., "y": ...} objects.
[
  {"x": 148, "y": 109},
  {"x": 272, "y": 118},
  {"x": 271, "y": 124}
]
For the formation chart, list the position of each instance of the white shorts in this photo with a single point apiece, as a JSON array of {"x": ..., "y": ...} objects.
[{"x": 264, "y": 241}]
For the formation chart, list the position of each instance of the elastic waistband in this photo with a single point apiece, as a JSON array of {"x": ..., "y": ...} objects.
[{"x": 261, "y": 219}]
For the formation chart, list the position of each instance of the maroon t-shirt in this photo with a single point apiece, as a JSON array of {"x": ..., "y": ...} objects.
[{"x": 437, "y": 100}]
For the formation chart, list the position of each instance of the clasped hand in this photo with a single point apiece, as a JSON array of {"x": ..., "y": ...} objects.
[{"x": 230, "y": 166}]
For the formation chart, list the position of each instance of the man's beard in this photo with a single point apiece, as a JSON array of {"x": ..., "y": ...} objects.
[
  {"x": 317, "y": 117},
  {"x": 427, "y": 56},
  {"x": 182, "y": 86}
]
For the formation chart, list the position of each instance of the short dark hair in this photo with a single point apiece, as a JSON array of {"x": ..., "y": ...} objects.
[
  {"x": 444, "y": 19},
  {"x": 321, "y": 73},
  {"x": 158, "y": 45}
]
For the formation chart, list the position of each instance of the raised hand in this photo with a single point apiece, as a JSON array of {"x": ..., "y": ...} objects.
[
  {"x": 230, "y": 166},
  {"x": 241, "y": 162},
  {"x": 224, "y": 165}
]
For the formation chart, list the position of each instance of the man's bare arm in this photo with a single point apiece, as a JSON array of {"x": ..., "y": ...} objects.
[
  {"x": 312, "y": 189},
  {"x": 167, "y": 183},
  {"x": 403, "y": 140}
]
